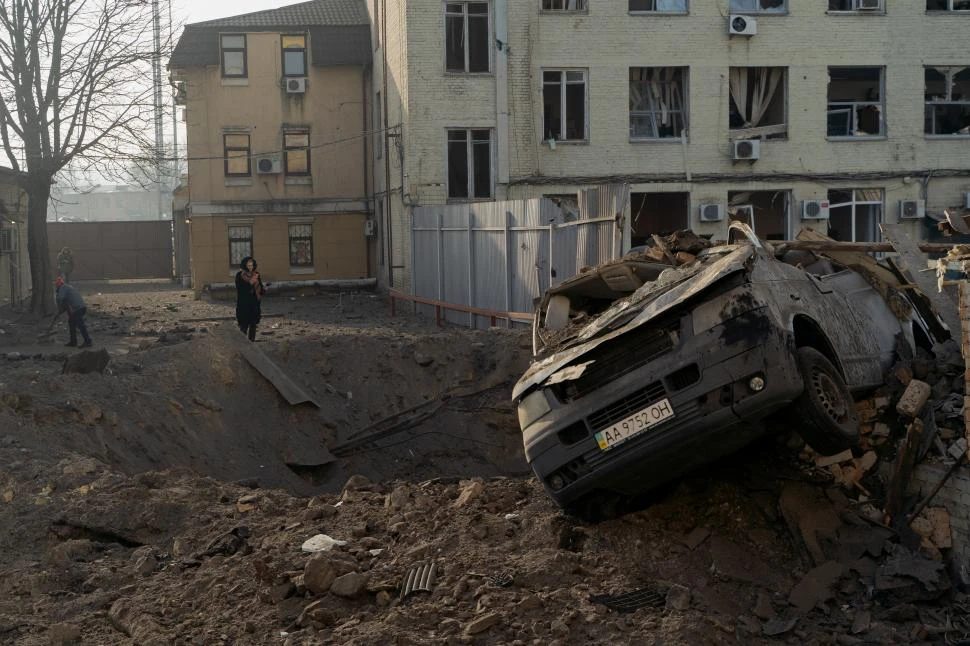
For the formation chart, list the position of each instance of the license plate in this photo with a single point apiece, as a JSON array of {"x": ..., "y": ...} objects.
[{"x": 634, "y": 424}]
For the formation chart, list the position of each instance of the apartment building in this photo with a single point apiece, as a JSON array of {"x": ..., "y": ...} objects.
[
  {"x": 14, "y": 262},
  {"x": 837, "y": 114},
  {"x": 276, "y": 111}
]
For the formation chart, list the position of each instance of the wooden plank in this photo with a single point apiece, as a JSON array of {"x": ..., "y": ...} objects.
[
  {"x": 915, "y": 261},
  {"x": 902, "y": 470},
  {"x": 824, "y": 244},
  {"x": 760, "y": 131}
]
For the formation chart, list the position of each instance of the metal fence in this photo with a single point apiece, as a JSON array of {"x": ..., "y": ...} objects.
[
  {"x": 504, "y": 255},
  {"x": 114, "y": 250}
]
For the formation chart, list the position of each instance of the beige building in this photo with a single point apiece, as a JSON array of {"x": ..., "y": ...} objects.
[
  {"x": 14, "y": 262},
  {"x": 276, "y": 117},
  {"x": 838, "y": 114}
]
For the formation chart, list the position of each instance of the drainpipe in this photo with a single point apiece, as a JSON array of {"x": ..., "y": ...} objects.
[
  {"x": 389, "y": 246},
  {"x": 367, "y": 195},
  {"x": 502, "y": 93}
]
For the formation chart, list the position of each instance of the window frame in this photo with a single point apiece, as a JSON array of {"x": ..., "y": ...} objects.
[
  {"x": 928, "y": 104},
  {"x": 287, "y": 148},
  {"x": 758, "y": 12},
  {"x": 562, "y": 99},
  {"x": 244, "y": 51},
  {"x": 784, "y": 87},
  {"x": 853, "y": 105},
  {"x": 684, "y": 110},
  {"x": 470, "y": 164},
  {"x": 290, "y": 238},
  {"x": 858, "y": 12},
  {"x": 568, "y": 12},
  {"x": 303, "y": 50},
  {"x": 226, "y": 148},
  {"x": 949, "y": 10},
  {"x": 229, "y": 227},
  {"x": 658, "y": 12},
  {"x": 854, "y": 202},
  {"x": 467, "y": 49}
]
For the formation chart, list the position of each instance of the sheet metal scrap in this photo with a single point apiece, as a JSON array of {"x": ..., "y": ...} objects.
[
  {"x": 419, "y": 578},
  {"x": 654, "y": 596}
]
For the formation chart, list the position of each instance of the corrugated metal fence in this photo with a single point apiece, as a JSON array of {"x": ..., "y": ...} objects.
[{"x": 504, "y": 255}]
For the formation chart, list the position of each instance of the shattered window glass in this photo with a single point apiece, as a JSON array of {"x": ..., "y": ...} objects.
[
  {"x": 658, "y": 102},
  {"x": 759, "y": 6},
  {"x": 855, "y": 102},
  {"x": 947, "y": 92}
]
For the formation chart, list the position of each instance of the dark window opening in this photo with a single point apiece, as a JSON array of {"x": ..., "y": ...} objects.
[
  {"x": 759, "y": 6},
  {"x": 766, "y": 212},
  {"x": 855, "y": 214},
  {"x": 948, "y": 5},
  {"x": 658, "y": 213},
  {"x": 564, "y": 105},
  {"x": 470, "y": 164},
  {"x": 947, "y": 101},
  {"x": 236, "y": 154},
  {"x": 233, "y": 56},
  {"x": 658, "y": 102},
  {"x": 855, "y": 102},
  {"x": 660, "y": 6},
  {"x": 466, "y": 37},
  {"x": 564, "y": 5}
]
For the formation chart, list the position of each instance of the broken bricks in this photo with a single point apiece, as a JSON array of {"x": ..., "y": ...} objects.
[{"x": 915, "y": 396}]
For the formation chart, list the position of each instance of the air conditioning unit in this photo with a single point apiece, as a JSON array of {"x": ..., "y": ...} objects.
[
  {"x": 747, "y": 149},
  {"x": 269, "y": 165},
  {"x": 744, "y": 212},
  {"x": 742, "y": 26},
  {"x": 966, "y": 200},
  {"x": 370, "y": 228},
  {"x": 296, "y": 85},
  {"x": 911, "y": 209},
  {"x": 815, "y": 210},
  {"x": 712, "y": 212},
  {"x": 867, "y": 5}
]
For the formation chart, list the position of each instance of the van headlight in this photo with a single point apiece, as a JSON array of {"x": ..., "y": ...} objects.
[{"x": 532, "y": 407}]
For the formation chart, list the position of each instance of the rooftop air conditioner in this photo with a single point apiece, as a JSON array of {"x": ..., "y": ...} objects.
[
  {"x": 815, "y": 210},
  {"x": 296, "y": 85},
  {"x": 911, "y": 209},
  {"x": 742, "y": 26},
  {"x": 370, "y": 228},
  {"x": 712, "y": 212},
  {"x": 867, "y": 5},
  {"x": 269, "y": 165},
  {"x": 747, "y": 149}
]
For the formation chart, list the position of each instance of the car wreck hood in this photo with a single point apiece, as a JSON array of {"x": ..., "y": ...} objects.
[{"x": 648, "y": 302}]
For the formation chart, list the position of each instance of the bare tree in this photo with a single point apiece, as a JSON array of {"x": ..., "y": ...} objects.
[{"x": 76, "y": 89}]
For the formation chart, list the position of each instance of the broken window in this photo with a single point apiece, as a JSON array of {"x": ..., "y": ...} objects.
[
  {"x": 564, "y": 5},
  {"x": 469, "y": 164},
  {"x": 657, "y": 213},
  {"x": 658, "y": 102},
  {"x": 855, "y": 102},
  {"x": 759, "y": 6},
  {"x": 235, "y": 151},
  {"x": 758, "y": 102},
  {"x": 766, "y": 212},
  {"x": 301, "y": 245},
  {"x": 294, "y": 55},
  {"x": 466, "y": 37},
  {"x": 869, "y": 6},
  {"x": 233, "y": 56},
  {"x": 659, "y": 6},
  {"x": 948, "y": 5},
  {"x": 947, "y": 101},
  {"x": 855, "y": 214},
  {"x": 296, "y": 152},
  {"x": 240, "y": 243},
  {"x": 564, "y": 105}
]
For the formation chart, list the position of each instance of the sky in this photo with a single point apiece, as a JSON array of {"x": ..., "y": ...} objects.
[{"x": 200, "y": 10}]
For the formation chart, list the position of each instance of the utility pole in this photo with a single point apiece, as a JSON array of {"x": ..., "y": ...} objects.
[{"x": 157, "y": 78}]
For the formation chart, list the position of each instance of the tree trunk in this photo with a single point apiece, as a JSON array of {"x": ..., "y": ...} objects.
[{"x": 41, "y": 276}]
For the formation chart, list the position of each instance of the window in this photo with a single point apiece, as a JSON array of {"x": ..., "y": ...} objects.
[
  {"x": 947, "y": 101},
  {"x": 948, "y": 5},
  {"x": 469, "y": 164},
  {"x": 564, "y": 5},
  {"x": 240, "y": 243},
  {"x": 296, "y": 152},
  {"x": 658, "y": 6},
  {"x": 564, "y": 105},
  {"x": 759, "y": 6},
  {"x": 378, "y": 127},
  {"x": 856, "y": 105},
  {"x": 235, "y": 149},
  {"x": 301, "y": 245},
  {"x": 855, "y": 214},
  {"x": 294, "y": 55},
  {"x": 466, "y": 37},
  {"x": 758, "y": 102},
  {"x": 658, "y": 106},
  {"x": 766, "y": 212},
  {"x": 855, "y": 5},
  {"x": 233, "y": 55}
]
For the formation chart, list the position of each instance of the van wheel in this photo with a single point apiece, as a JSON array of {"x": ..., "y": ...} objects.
[{"x": 825, "y": 412}]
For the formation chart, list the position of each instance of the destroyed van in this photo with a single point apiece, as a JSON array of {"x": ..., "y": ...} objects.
[{"x": 650, "y": 366}]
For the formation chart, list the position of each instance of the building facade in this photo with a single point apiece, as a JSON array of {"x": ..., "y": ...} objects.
[
  {"x": 278, "y": 167},
  {"x": 776, "y": 112},
  {"x": 14, "y": 261}
]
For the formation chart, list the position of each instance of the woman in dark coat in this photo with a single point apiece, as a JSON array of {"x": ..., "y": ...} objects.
[{"x": 249, "y": 293}]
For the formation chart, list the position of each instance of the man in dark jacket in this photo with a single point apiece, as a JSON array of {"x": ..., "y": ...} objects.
[{"x": 70, "y": 301}]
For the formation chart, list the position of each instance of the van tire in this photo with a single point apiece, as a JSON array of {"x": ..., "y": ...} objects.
[{"x": 825, "y": 411}]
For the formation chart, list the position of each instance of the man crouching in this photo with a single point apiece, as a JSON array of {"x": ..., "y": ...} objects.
[{"x": 70, "y": 301}]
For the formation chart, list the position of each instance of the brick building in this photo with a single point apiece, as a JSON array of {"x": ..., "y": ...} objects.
[{"x": 858, "y": 109}]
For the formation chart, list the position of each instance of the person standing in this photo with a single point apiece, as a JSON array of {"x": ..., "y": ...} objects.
[
  {"x": 249, "y": 294},
  {"x": 65, "y": 263},
  {"x": 69, "y": 300}
]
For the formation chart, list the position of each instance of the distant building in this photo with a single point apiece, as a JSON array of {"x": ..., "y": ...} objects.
[
  {"x": 14, "y": 265},
  {"x": 107, "y": 203},
  {"x": 276, "y": 111}
]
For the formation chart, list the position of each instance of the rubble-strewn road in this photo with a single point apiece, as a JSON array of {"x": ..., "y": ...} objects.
[{"x": 109, "y": 538}]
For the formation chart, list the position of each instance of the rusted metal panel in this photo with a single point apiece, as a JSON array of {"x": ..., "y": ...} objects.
[{"x": 114, "y": 250}]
